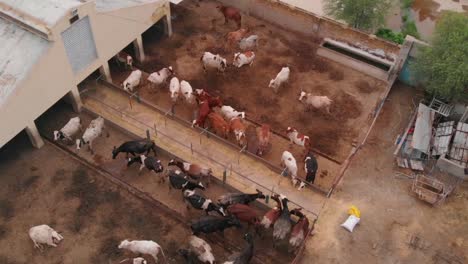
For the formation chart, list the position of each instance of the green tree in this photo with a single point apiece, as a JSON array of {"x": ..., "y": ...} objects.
[
  {"x": 361, "y": 14},
  {"x": 443, "y": 66}
]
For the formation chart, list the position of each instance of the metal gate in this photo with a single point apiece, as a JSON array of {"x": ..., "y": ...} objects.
[{"x": 79, "y": 44}]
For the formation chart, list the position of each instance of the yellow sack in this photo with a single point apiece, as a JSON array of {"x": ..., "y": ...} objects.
[{"x": 354, "y": 211}]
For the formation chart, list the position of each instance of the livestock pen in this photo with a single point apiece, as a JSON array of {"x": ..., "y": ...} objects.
[
  {"x": 147, "y": 186},
  {"x": 198, "y": 27}
]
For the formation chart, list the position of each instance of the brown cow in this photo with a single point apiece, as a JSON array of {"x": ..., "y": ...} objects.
[
  {"x": 203, "y": 112},
  {"x": 238, "y": 128},
  {"x": 263, "y": 136},
  {"x": 220, "y": 126},
  {"x": 230, "y": 13},
  {"x": 234, "y": 37}
]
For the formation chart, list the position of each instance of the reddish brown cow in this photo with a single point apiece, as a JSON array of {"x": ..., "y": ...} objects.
[
  {"x": 230, "y": 13},
  {"x": 271, "y": 216},
  {"x": 263, "y": 136},
  {"x": 220, "y": 126},
  {"x": 238, "y": 128},
  {"x": 245, "y": 214},
  {"x": 235, "y": 36},
  {"x": 299, "y": 230},
  {"x": 202, "y": 95},
  {"x": 203, "y": 112}
]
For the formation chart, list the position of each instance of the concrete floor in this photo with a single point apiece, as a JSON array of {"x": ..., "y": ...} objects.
[{"x": 176, "y": 138}]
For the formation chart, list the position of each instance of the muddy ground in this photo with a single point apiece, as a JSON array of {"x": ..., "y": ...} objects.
[
  {"x": 149, "y": 183},
  {"x": 199, "y": 27}
]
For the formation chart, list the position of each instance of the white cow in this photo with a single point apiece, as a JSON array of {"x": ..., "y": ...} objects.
[
  {"x": 210, "y": 60},
  {"x": 230, "y": 113},
  {"x": 241, "y": 59},
  {"x": 187, "y": 91},
  {"x": 44, "y": 234},
  {"x": 248, "y": 43},
  {"x": 174, "y": 88},
  {"x": 160, "y": 77},
  {"x": 94, "y": 130},
  {"x": 288, "y": 160},
  {"x": 69, "y": 130},
  {"x": 132, "y": 81},
  {"x": 138, "y": 260},
  {"x": 201, "y": 249},
  {"x": 148, "y": 247},
  {"x": 281, "y": 77},
  {"x": 315, "y": 101}
]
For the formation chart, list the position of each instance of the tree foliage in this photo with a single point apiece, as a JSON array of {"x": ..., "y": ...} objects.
[
  {"x": 361, "y": 14},
  {"x": 390, "y": 35},
  {"x": 443, "y": 66}
]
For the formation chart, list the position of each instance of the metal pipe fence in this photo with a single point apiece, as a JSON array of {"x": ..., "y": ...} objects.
[{"x": 229, "y": 173}]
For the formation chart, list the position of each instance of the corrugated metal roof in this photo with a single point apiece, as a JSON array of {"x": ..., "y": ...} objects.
[
  {"x": 423, "y": 129},
  {"x": 39, "y": 14},
  {"x": 20, "y": 50},
  {"x": 108, "y": 5}
]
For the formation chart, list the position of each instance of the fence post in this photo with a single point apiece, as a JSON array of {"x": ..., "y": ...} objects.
[
  {"x": 224, "y": 176},
  {"x": 155, "y": 130},
  {"x": 148, "y": 136},
  {"x": 267, "y": 199},
  {"x": 191, "y": 147},
  {"x": 130, "y": 102},
  {"x": 230, "y": 174},
  {"x": 173, "y": 109}
]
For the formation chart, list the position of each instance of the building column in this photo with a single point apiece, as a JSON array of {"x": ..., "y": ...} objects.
[
  {"x": 167, "y": 24},
  {"x": 75, "y": 99},
  {"x": 139, "y": 51},
  {"x": 34, "y": 135},
  {"x": 105, "y": 70}
]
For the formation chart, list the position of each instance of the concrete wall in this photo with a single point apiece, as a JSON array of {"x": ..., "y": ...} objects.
[
  {"x": 299, "y": 20},
  {"x": 451, "y": 167},
  {"x": 52, "y": 77}
]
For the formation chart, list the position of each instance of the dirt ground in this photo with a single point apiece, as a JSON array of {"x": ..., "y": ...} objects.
[
  {"x": 148, "y": 183},
  {"x": 199, "y": 27},
  {"x": 395, "y": 226}
]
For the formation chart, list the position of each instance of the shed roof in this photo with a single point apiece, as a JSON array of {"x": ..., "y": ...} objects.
[
  {"x": 108, "y": 5},
  {"x": 39, "y": 14},
  {"x": 20, "y": 50},
  {"x": 423, "y": 129}
]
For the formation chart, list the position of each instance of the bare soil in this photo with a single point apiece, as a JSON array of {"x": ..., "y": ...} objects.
[
  {"x": 148, "y": 182},
  {"x": 199, "y": 27}
]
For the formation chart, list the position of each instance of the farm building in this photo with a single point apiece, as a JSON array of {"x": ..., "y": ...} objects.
[{"x": 49, "y": 47}]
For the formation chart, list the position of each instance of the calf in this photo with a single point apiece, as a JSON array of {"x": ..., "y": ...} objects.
[
  {"x": 230, "y": 13},
  {"x": 242, "y": 198},
  {"x": 317, "y": 102},
  {"x": 151, "y": 163},
  {"x": 234, "y": 37},
  {"x": 271, "y": 216},
  {"x": 229, "y": 113},
  {"x": 174, "y": 88},
  {"x": 201, "y": 203},
  {"x": 209, "y": 224},
  {"x": 160, "y": 77},
  {"x": 241, "y": 59},
  {"x": 44, "y": 234},
  {"x": 245, "y": 214},
  {"x": 148, "y": 247},
  {"x": 310, "y": 167},
  {"x": 210, "y": 60},
  {"x": 298, "y": 138},
  {"x": 281, "y": 78},
  {"x": 263, "y": 136},
  {"x": 201, "y": 249},
  {"x": 203, "y": 111},
  {"x": 135, "y": 147},
  {"x": 93, "y": 131},
  {"x": 178, "y": 180},
  {"x": 132, "y": 81},
  {"x": 299, "y": 230},
  {"x": 248, "y": 43},
  {"x": 220, "y": 126},
  {"x": 186, "y": 91},
  {"x": 69, "y": 130},
  {"x": 238, "y": 128},
  {"x": 125, "y": 59},
  {"x": 289, "y": 162},
  {"x": 195, "y": 171}
]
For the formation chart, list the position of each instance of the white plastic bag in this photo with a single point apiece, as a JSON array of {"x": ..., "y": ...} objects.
[{"x": 351, "y": 222}]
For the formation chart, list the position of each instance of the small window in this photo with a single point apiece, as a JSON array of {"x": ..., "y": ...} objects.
[{"x": 74, "y": 19}]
